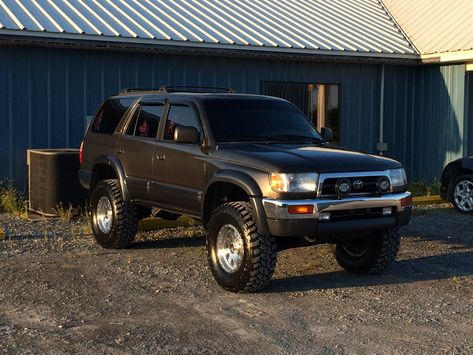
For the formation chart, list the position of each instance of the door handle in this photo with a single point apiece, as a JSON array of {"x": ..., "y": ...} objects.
[
  {"x": 160, "y": 157},
  {"x": 120, "y": 151}
]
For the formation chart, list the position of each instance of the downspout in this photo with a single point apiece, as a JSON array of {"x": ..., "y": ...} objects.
[{"x": 381, "y": 146}]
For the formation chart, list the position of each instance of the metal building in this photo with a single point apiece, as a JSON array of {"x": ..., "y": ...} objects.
[{"x": 347, "y": 64}]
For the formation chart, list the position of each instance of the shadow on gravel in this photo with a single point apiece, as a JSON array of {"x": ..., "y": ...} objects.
[
  {"x": 429, "y": 268},
  {"x": 182, "y": 242}
]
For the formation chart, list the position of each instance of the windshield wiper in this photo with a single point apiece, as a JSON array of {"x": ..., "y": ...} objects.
[
  {"x": 248, "y": 139},
  {"x": 295, "y": 137}
]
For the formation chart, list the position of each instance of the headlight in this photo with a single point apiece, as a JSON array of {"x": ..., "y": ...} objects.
[
  {"x": 398, "y": 179},
  {"x": 294, "y": 182}
]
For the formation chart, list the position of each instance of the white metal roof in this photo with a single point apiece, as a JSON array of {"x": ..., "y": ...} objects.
[
  {"x": 435, "y": 26},
  {"x": 346, "y": 27}
]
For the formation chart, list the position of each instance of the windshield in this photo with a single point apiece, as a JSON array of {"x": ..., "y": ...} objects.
[{"x": 243, "y": 120}]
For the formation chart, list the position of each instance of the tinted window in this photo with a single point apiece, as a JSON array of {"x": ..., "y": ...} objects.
[
  {"x": 249, "y": 120},
  {"x": 110, "y": 115},
  {"x": 180, "y": 116},
  {"x": 146, "y": 122}
]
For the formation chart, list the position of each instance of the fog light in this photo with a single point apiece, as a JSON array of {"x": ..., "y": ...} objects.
[
  {"x": 300, "y": 209},
  {"x": 324, "y": 216},
  {"x": 387, "y": 211}
]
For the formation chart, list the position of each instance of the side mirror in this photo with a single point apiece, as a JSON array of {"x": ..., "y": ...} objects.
[
  {"x": 186, "y": 134},
  {"x": 327, "y": 134}
]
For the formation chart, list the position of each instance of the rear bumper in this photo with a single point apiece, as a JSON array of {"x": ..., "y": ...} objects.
[{"x": 283, "y": 224}]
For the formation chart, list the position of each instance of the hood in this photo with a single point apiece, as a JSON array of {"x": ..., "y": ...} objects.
[{"x": 292, "y": 158}]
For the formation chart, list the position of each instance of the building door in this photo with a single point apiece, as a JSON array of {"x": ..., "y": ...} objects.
[{"x": 320, "y": 102}]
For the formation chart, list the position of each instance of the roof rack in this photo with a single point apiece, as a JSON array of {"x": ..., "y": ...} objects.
[
  {"x": 171, "y": 89},
  {"x": 132, "y": 90},
  {"x": 201, "y": 89}
]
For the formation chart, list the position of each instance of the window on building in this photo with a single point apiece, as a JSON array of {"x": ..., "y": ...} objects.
[
  {"x": 145, "y": 123},
  {"x": 109, "y": 115},
  {"x": 319, "y": 102},
  {"x": 180, "y": 116}
]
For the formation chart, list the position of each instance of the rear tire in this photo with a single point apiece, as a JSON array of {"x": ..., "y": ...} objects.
[
  {"x": 369, "y": 255},
  {"x": 240, "y": 258},
  {"x": 461, "y": 194},
  {"x": 114, "y": 221}
]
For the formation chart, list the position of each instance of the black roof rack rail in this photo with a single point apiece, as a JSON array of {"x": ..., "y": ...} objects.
[
  {"x": 171, "y": 89},
  {"x": 132, "y": 90},
  {"x": 196, "y": 89}
]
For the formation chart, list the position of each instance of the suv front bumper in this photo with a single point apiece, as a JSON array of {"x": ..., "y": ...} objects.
[{"x": 283, "y": 224}]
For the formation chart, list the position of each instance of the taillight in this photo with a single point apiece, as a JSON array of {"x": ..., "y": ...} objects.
[{"x": 80, "y": 152}]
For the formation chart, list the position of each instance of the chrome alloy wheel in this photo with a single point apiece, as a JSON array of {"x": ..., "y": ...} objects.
[
  {"x": 104, "y": 215},
  {"x": 463, "y": 195},
  {"x": 230, "y": 248}
]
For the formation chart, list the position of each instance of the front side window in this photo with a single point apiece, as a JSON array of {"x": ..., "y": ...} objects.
[
  {"x": 110, "y": 115},
  {"x": 145, "y": 123},
  {"x": 237, "y": 120},
  {"x": 180, "y": 116}
]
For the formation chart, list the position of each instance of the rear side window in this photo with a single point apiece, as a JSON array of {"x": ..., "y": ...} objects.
[
  {"x": 110, "y": 115},
  {"x": 146, "y": 122},
  {"x": 180, "y": 116}
]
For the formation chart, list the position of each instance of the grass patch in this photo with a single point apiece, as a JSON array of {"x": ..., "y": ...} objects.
[
  {"x": 424, "y": 188},
  {"x": 12, "y": 201},
  {"x": 66, "y": 213}
]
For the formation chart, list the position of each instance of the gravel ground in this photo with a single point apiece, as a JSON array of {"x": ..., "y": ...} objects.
[{"x": 60, "y": 293}]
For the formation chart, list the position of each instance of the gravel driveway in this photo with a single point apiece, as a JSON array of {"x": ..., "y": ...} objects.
[{"x": 59, "y": 292}]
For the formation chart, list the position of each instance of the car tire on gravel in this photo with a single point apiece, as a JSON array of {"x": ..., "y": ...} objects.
[
  {"x": 461, "y": 194},
  {"x": 240, "y": 258},
  {"x": 114, "y": 221},
  {"x": 369, "y": 255}
]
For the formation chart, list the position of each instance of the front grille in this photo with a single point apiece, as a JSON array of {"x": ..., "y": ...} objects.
[{"x": 369, "y": 187}]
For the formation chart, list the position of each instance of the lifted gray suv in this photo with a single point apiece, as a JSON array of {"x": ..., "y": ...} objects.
[{"x": 252, "y": 168}]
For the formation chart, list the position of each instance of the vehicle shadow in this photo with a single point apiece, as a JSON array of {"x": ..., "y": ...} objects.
[
  {"x": 428, "y": 268},
  {"x": 177, "y": 242}
]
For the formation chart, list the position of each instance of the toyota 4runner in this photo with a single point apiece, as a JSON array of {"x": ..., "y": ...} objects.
[{"x": 252, "y": 169}]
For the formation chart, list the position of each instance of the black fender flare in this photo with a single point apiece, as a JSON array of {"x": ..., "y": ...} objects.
[
  {"x": 117, "y": 166},
  {"x": 251, "y": 188}
]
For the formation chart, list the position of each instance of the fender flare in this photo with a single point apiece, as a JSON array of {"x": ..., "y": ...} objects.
[
  {"x": 251, "y": 188},
  {"x": 117, "y": 166}
]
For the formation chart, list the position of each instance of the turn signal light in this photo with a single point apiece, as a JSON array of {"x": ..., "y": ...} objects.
[
  {"x": 406, "y": 201},
  {"x": 301, "y": 209}
]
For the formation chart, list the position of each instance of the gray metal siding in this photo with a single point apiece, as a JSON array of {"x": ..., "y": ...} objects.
[
  {"x": 46, "y": 93},
  {"x": 424, "y": 117}
]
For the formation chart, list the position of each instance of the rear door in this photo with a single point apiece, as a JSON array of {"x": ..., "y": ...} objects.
[
  {"x": 179, "y": 167},
  {"x": 136, "y": 149}
]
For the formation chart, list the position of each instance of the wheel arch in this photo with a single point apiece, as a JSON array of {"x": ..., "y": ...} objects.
[
  {"x": 228, "y": 186},
  {"x": 109, "y": 167}
]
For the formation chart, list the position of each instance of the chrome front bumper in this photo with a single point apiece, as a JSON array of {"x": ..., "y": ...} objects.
[{"x": 278, "y": 209}]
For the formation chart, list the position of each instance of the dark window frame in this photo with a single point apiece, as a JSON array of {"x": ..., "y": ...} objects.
[
  {"x": 170, "y": 104},
  {"x": 134, "y": 117}
]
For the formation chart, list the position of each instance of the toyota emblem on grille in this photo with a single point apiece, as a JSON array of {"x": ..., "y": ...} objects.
[{"x": 358, "y": 184}]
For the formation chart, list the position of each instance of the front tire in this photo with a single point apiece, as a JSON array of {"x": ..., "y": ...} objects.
[
  {"x": 371, "y": 254},
  {"x": 462, "y": 194},
  {"x": 114, "y": 221},
  {"x": 240, "y": 258}
]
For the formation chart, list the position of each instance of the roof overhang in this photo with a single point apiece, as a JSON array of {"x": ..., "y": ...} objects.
[
  {"x": 448, "y": 57},
  {"x": 124, "y": 43}
]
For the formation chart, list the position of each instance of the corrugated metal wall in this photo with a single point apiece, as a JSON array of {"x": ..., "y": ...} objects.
[
  {"x": 46, "y": 93},
  {"x": 424, "y": 115}
]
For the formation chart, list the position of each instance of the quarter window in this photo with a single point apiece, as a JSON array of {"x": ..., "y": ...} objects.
[
  {"x": 180, "y": 116},
  {"x": 110, "y": 115}
]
